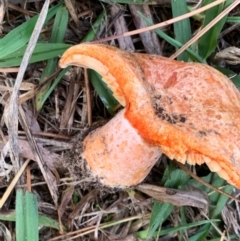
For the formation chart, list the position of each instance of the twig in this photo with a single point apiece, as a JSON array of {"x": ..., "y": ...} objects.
[{"x": 88, "y": 96}]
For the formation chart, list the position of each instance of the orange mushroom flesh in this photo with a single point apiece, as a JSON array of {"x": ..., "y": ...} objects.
[
  {"x": 189, "y": 110},
  {"x": 117, "y": 155}
]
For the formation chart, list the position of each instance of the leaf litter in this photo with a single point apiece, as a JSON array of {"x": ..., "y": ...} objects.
[{"x": 88, "y": 210}]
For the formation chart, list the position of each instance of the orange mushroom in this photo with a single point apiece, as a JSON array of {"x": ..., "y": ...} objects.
[{"x": 189, "y": 111}]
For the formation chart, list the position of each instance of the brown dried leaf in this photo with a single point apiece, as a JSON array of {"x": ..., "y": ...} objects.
[
  {"x": 50, "y": 174},
  {"x": 52, "y": 159},
  {"x": 86, "y": 199},
  {"x": 67, "y": 115},
  {"x": 120, "y": 26},
  {"x": 31, "y": 118},
  {"x": 149, "y": 38},
  {"x": 231, "y": 220},
  {"x": 229, "y": 55},
  {"x": 67, "y": 196},
  {"x": 194, "y": 198}
]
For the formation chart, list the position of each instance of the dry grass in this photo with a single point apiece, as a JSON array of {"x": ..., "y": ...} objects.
[{"x": 52, "y": 136}]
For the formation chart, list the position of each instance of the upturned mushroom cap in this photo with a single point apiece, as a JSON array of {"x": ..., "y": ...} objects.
[{"x": 191, "y": 111}]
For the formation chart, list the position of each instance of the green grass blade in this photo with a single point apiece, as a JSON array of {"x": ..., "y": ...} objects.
[
  {"x": 201, "y": 233},
  {"x": 172, "y": 41},
  {"x": 230, "y": 237},
  {"x": 143, "y": 234},
  {"x": 18, "y": 37},
  {"x": 20, "y": 225},
  {"x": 95, "y": 27},
  {"x": 42, "y": 219},
  {"x": 235, "y": 78},
  {"x": 189, "y": 225},
  {"x": 171, "y": 178},
  {"x": 103, "y": 91},
  {"x": 233, "y": 19},
  {"x": 182, "y": 29},
  {"x": 221, "y": 202},
  {"x": 42, "y": 51},
  {"x": 59, "y": 26},
  {"x": 48, "y": 222},
  {"x": 175, "y": 178},
  {"x": 183, "y": 221},
  {"x": 160, "y": 213},
  {"x": 57, "y": 36},
  {"x": 217, "y": 200},
  {"x": 31, "y": 218},
  {"x": 26, "y": 216},
  {"x": 208, "y": 42}
]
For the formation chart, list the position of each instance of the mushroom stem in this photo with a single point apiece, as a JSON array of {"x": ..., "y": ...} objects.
[{"x": 117, "y": 155}]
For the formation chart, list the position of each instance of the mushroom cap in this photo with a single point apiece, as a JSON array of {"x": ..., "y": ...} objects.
[{"x": 190, "y": 110}]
